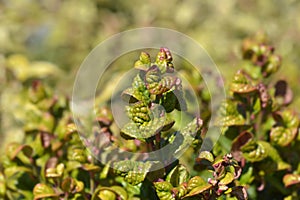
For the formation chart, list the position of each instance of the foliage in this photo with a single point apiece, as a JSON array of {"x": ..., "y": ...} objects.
[{"x": 256, "y": 122}]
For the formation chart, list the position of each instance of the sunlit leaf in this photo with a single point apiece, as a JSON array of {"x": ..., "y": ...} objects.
[
  {"x": 241, "y": 84},
  {"x": 178, "y": 175},
  {"x": 41, "y": 191},
  {"x": 134, "y": 172},
  {"x": 229, "y": 115}
]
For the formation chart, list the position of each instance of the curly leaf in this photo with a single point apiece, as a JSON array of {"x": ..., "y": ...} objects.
[
  {"x": 55, "y": 172},
  {"x": 164, "y": 190},
  {"x": 241, "y": 84},
  {"x": 256, "y": 151},
  {"x": 291, "y": 179},
  {"x": 23, "y": 152},
  {"x": 77, "y": 154},
  {"x": 205, "y": 155},
  {"x": 164, "y": 60},
  {"x": 242, "y": 139},
  {"x": 196, "y": 186},
  {"x": 228, "y": 178},
  {"x": 104, "y": 194},
  {"x": 189, "y": 133},
  {"x": 178, "y": 175},
  {"x": 272, "y": 65},
  {"x": 283, "y": 136},
  {"x": 229, "y": 115},
  {"x": 110, "y": 193},
  {"x": 41, "y": 191},
  {"x": 72, "y": 185},
  {"x": 139, "y": 113},
  {"x": 134, "y": 172},
  {"x": 287, "y": 128},
  {"x": 264, "y": 151},
  {"x": 132, "y": 131},
  {"x": 129, "y": 96}
]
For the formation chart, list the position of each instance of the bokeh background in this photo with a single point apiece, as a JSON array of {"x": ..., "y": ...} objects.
[{"x": 49, "y": 39}]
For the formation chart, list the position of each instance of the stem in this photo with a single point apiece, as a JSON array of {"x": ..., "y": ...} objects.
[
  {"x": 157, "y": 141},
  {"x": 258, "y": 125},
  {"x": 92, "y": 183}
]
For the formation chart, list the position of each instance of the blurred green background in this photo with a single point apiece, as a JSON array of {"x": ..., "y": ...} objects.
[{"x": 48, "y": 39}]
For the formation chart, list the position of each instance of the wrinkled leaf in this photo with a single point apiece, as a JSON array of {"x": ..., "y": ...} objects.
[
  {"x": 241, "y": 84},
  {"x": 134, "y": 172},
  {"x": 163, "y": 190},
  {"x": 229, "y": 115}
]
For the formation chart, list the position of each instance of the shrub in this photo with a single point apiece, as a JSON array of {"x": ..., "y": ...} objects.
[{"x": 257, "y": 154}]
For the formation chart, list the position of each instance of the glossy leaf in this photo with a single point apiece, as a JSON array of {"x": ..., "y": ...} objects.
[
  {"x": 110, "y": 193},
  {"x": 205, "y": 155},
  {"x": 256, "y": 151},
  {"x": 283, "y": 136},
  {"x": 196, "y": 186},
  {"x": 55, "y": 172},
  {"x": 178, "y": 175},
  {"x": 41, "y": 191}
]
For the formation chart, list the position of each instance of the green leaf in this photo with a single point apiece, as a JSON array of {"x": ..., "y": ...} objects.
[
  {"x": 55, "y": 172},
  {"x": 283, "y": 136},
  {"x": 23, "y": 152},
  {"x": 105, "y": 194},
  {"x": 77, "y": 154},
  {"x": 71, "y": 185},
  {"x": 265, "y": 152},
  {"x": 90, "y": 167},
  {"x": 256, "y": 151},
  {"x": 229, "y": 115},
  {"x": 163, "y": 190},
  {"x": 247, "y": 177},
  {"x": 178, "y": 175},
  {"x": 110, "y": 193},
  {"x": 41, "y": 191},
  {"x": 195, "y": 182},
  {"x": 129, "y": 96},
  {"x": 2, "y": 185},
  {"x": 120, "y": 191},
  {"x": 291, "y": 179},
  {"x": 134, "y": 172},
  {"x": 286, "y": 130},
  {"x": 241, "y": 84},
  {"x": 205, "y": 155},
  {"x": 148, "y": 130},
  {"x": 228, "y": 178},
  {"x": 196, "y": 186}
]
